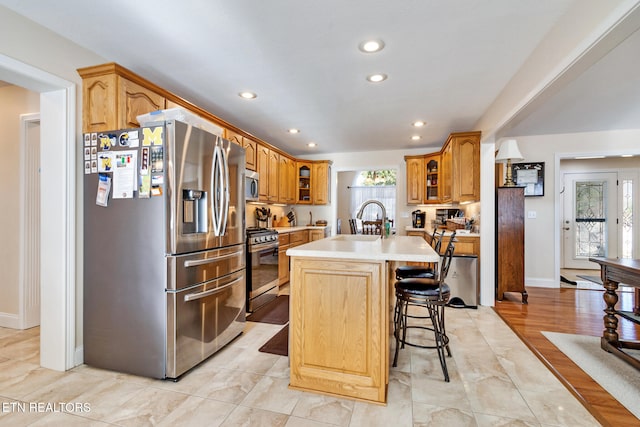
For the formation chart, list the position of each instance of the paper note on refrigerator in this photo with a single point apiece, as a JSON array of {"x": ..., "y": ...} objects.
[{"x": 124, "y": 174}]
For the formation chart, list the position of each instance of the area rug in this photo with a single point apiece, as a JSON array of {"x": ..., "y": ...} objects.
[
  {"x": 275, "y": 312},
  {"x": 594, "y": 279},
  {"x": 621, "y": 380},
  {"x": 278, "y": 344}
]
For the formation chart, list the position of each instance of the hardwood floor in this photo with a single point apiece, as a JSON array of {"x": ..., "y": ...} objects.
[{"x": 575, "y": 311}]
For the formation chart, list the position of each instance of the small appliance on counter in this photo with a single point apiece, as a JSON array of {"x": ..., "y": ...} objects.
[{"x": 418, "y": 218}]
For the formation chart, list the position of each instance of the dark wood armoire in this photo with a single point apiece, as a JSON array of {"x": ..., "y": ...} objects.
[{"x": 510, "y": 242}]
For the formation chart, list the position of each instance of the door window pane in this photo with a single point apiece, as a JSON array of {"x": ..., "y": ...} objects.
[
  {"x": 627, "y": 218},
  {"x": 591, "y": 239}
]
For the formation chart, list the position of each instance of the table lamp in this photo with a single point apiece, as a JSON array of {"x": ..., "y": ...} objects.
[{"x": 509, "y": 152}]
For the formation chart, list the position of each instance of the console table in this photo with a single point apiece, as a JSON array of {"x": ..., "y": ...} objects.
[{"x": 612, "y": 272}]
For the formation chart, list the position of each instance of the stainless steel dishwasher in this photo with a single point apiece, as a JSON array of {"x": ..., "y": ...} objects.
[{"x": 463, "y": 281}]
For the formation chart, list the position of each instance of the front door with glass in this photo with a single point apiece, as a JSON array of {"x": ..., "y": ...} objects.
[{"x": 590, "y": 218}]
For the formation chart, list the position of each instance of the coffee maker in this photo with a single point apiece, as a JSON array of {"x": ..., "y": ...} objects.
[{"x": 418, "y": 218}]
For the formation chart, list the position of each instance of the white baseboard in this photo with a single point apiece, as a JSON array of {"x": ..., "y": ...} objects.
[
  {"x": 541, "y": 283},
  {"x": 78, "y": 356},
  {"x": 8, "y": 320}
]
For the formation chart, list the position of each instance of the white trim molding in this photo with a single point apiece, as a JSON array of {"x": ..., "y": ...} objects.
[{"x": 58, "y": 200}]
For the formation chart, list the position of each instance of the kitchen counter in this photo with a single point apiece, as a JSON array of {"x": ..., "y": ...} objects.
[
  {"x": 446, "y": 232},
  {"x": 340, "y": 312},
  {"x": 282, "y": 230},
  {"x": 367, "y": 247}
]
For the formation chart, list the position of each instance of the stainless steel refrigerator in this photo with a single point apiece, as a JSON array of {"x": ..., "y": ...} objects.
[{"x": 164, "y": 252}]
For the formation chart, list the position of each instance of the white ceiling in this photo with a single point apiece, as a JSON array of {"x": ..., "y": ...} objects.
[{"x": 447, "y": 63}]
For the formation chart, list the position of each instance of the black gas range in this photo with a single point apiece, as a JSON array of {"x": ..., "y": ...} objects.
[
  {"x": 257, "y": 235},
  {"x": 262, "y": 266}
]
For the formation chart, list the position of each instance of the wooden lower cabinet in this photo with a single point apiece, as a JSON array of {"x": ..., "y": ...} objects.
[
  {"x": 283, "y": 258},
  {"x": 286, "y": 241},
  {"x": 465, "y": 245},
  {"x": 338, "y": 326},
  {"x": 317, "y": 235}
]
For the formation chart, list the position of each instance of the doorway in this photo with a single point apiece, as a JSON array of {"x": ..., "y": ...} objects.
[
  {"x": 590, "y": 218},
  {"x": 58, "y": 200}
]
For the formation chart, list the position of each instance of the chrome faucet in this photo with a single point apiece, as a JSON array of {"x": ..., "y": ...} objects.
[{"x": 384, "y": 213}]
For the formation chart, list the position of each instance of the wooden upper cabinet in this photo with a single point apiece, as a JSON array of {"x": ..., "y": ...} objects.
[
  {"x": 303, "y": 182},
  {"x": 433, "y": 167},
  {"x": 446, "y": 175},
  {"x": 234, "y": 137},
  {"x": 113, "y": 97},
  {"x": 134, "y": 101},
  {"x": 286, "y": 180},
  {"x": 113, "y": 101},
  {"x": 250, "y": 148},
  {"x": 98, "y": 94},
  {"x": 251, "y": 153},
  {"x": 321, "y": 182},
  {"x": 415, "y": 179},
  {"x": 273, "y": 188},
  {"x": 268, "y": 170},
  {"x": 466, "y": 166},
  {"x": 451, "y": 175}
]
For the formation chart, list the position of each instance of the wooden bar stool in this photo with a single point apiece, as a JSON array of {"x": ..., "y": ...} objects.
[{"x": 431, "y": 294}]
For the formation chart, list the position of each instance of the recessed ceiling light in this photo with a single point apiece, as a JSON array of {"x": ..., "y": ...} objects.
[
  {"x": 416, "y": 137},
  {"x": 293, "y": 130},
  {"x": 377, "y": 78},
  {"x": 311, "y": 144},
  {"x": 371, "y": 46},
  {"x": 419, "y": 123},
  {"x": 247, "y": 95},
  {"x": 627, "y": 155}
]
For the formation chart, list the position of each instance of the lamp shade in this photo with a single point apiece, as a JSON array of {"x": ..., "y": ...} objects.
[{"x": 509, "y": 151}]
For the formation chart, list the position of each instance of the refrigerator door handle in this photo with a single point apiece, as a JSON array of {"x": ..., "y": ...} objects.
[
  {"x": 225, "y": 192},
  {"x": 196, "y": 262},
  {"x": 217, "y": 185},
  {"x": 204, "y": 294}
]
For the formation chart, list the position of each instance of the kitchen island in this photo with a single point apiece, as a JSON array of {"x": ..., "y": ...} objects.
[{"x": 339, "y": 312}]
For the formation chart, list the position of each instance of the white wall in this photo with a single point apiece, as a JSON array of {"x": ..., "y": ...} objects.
[
  {"x": 38, "y": 47},
  {"x": 542, "y": 253},
  {"x": 13, "y": 102}
]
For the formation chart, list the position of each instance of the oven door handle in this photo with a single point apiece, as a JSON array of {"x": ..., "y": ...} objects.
[
  {"x": 263, "y": 247},
  {"x": 196, "y": 262},
  {"x": 204, "y": 294}
]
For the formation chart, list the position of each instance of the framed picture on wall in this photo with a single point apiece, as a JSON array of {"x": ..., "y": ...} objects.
[{"x": 530, "y": 176}]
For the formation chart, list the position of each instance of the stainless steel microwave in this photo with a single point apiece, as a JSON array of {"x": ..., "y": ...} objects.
[{"x": 251, "y": 186}]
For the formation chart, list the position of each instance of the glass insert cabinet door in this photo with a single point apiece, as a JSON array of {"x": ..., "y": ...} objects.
[{"x": 590, "y": 218}]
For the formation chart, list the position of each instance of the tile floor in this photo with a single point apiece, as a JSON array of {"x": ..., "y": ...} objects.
[{"x": 495, "y": 380}]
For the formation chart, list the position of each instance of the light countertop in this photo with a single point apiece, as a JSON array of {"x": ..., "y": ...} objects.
[
  {"x": 298, "y": 228},
  {"x": 368, "y": 247},
  {"x": 446, "y": 233}
]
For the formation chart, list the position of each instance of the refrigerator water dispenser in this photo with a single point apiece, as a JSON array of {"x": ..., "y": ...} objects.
[{"x": 194, "y": 214}]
